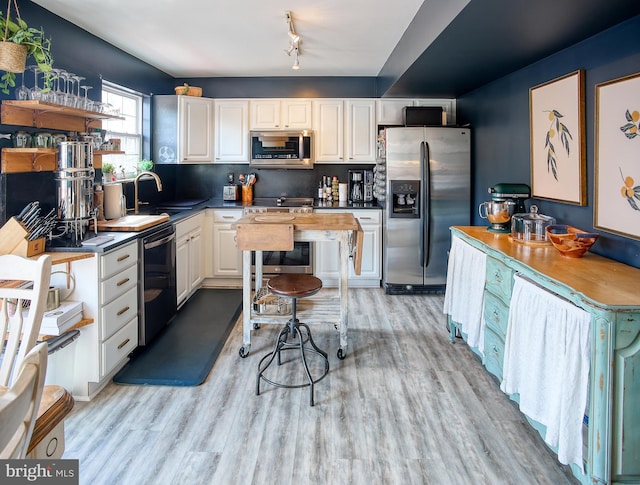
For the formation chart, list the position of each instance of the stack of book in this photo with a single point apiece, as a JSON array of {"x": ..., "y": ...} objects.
[{"x": 61, "y": 319}]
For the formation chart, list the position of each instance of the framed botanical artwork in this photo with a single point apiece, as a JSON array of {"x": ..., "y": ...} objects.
[
  {"x": 617, "y": 161},
  {"x": 556, "y": 118}
]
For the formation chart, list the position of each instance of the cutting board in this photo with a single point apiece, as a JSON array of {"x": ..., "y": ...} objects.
[{"x": 132, "y": 223}]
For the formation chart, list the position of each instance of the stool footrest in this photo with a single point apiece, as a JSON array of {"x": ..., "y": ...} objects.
[{"x": 283, "y": 344}]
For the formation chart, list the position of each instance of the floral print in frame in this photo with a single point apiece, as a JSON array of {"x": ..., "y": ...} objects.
[
  {"x": 617, "y": 162},
  {"x": 556, "y": 117}
]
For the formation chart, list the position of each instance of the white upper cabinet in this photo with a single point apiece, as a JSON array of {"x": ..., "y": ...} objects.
[
  {"x": 195, "y": 134},
  {"x": 344, "y": 130},
  {"x": 328, "y": 127},
  {"x": 280, "y": 114},
  {"x": 360, "y": 130},
  {"x": 231, "y": 130},
  {"x": 389, "y": 111}
]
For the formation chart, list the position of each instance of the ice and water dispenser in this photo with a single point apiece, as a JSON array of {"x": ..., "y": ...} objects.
[{"x": 405, "y": 195}]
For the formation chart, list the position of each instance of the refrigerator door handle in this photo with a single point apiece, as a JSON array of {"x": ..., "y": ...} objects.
[{"x": 425, "y": 175}]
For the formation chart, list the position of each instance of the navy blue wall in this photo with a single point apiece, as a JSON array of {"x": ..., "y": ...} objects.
[{"x": 499, "y": 115}]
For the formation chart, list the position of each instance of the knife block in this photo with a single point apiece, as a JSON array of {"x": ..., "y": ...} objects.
[{"x": 14, "y": 240}]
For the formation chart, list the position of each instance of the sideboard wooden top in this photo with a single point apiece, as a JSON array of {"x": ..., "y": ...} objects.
[{"x": 599, "y": 279}]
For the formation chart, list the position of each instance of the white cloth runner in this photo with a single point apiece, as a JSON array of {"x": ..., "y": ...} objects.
[
  {"x": 546, "y": 361},
  {"x": 464, "y": 295}
]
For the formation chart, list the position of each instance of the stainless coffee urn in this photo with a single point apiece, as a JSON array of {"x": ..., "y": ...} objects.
[{"x": 74, "y": 186}]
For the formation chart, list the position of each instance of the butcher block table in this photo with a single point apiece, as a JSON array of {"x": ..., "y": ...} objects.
[{"x": 277, "y": 232}]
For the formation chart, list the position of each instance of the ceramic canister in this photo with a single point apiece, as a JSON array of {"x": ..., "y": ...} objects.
[{"x": 113, "y": 198}]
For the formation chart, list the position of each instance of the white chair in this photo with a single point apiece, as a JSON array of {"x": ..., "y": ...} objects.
[
  {"x": 19, "y": 404},
  {"x": 22, "y": 281}
]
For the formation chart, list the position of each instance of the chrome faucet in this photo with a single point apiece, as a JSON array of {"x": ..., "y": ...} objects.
[{"x": 137, "y": 203}]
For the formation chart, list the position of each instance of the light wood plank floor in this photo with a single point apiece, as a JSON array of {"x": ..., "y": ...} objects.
[{"x": 404, "y": 407}]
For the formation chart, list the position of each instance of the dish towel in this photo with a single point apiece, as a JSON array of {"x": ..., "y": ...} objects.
[
  {"x": 464, "y": 294},
  {"x": 546, "y": 361}
]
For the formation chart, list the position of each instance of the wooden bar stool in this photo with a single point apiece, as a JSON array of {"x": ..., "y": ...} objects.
[{"x": 294, "y": 286}]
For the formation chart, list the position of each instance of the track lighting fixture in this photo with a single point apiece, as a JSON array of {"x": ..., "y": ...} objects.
[{"x": 294, "y": 41}]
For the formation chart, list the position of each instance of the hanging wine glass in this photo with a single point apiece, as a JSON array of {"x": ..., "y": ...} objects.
[
  {"x": 48, "y": 94},
  {"x": 87, "y": 103},
  {"x": 55, "y": 90},
  {"x": 35, "y": 92},
  {"x": 22, "y": 92},
  {"x": 79, "y": 101},
  {"x": 68, "y": 93}
]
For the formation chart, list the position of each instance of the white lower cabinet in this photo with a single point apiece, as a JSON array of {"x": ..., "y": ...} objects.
[
  {"x": 107, "y": 284},
  {"x": 189, "y": 256},
  {"x": 226, "y": 259},
  {"x": 326, "y": 253}
]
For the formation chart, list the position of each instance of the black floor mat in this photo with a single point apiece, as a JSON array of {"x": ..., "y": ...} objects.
[{"x": 184, "y": 352}]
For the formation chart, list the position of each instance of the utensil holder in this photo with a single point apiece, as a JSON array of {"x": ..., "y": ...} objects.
[
  {"x": 247, "y": 193},
  {"x": 14, "y": 240}
]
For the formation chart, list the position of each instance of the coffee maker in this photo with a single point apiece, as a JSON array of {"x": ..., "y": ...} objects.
[
  {"x": 506, "y": 200},
  {"x": 368, "y": 185},
  {"x": 356, "y": 186}
]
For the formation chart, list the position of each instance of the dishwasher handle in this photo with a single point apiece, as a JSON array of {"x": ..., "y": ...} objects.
[{"x": 159, "y": 242}]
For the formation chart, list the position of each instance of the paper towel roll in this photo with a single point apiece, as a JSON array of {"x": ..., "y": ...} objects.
[
  {"x": 343, "y": 190},
  {"x": 113, "y": 201}
]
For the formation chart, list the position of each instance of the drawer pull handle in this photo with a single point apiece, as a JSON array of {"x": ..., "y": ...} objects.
[
  {"x": 498, "y": 277},
  {"x": 122, "y": 282},
  {"x": 123, "y": 257},
  {"x": 124, "y": 310},
  {"x": 123, "y": 344},
  {"x": 227, "y": 217}
]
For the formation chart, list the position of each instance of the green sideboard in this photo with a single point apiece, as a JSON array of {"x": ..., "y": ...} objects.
[{"x": 610, "y": 292}]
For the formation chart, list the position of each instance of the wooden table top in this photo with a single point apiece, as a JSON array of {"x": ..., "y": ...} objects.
[
  {"x": 305, "y": 221},
  {"x": 600, "y": 279}
]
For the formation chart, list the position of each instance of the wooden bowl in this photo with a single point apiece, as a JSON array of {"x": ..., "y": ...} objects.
[{"x": 571, "y": 242}]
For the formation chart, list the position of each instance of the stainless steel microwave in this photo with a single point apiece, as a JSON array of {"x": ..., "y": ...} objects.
[{"x": 282, "y": 149}]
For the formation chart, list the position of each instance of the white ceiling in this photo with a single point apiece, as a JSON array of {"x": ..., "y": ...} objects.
[{"x": 248, "y": 38}]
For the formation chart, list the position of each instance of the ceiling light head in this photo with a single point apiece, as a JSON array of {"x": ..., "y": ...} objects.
[{"x": 296, "y": 63}]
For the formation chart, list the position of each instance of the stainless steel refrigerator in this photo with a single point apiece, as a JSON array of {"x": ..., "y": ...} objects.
[{"x": 428, "y": 180}]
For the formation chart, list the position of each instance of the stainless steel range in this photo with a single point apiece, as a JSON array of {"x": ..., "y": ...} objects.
[{"x": 300, "y": 259}]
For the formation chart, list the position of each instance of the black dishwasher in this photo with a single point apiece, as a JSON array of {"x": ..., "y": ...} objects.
[{"x": 158, "y": 283}]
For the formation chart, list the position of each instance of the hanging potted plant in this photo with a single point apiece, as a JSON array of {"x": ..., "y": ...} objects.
[{"x": 19, "y": 41}]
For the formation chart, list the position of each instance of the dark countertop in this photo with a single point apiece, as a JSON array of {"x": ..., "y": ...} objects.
[{"x": 122, "y": 238}]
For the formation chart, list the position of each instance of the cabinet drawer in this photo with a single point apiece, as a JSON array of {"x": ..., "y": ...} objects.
[
  {"x": 119, "y": 346},
  {"x": 493, "y": 353},
  {"x": 227, "y": 216},
  {"x": 117, "y": 313},
  {"x": 115, "y": 261},
  {"x": 185, "y": 226},
  {"x": 118, "y": 284},
  {"x": 499, "y": 279},
  {"x": 496, "y": 314},
  {"x": 368, "y": 217}
]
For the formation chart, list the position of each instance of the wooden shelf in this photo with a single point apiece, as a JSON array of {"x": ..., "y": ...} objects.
[
  {"x": 40, "y": 114},
  {"x": 19, "y": 160}
]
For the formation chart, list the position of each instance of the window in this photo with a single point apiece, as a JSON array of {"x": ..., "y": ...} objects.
[{"x": 128, "y": 130}]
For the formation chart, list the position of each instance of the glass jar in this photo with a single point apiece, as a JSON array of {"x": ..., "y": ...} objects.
[
  {"x": 22, "y": 139},
  {"x": 531, "y": 227}
]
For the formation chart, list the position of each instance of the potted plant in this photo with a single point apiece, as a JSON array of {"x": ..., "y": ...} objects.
[
  {"x": 108, "y": 172},
  {"x": 19, "y": 42},
  {"x": 146, "y": 165}
]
